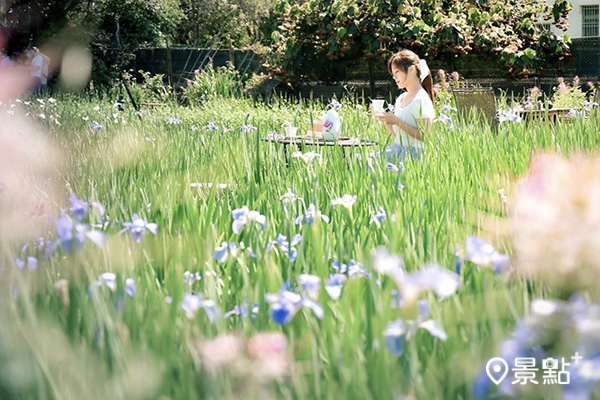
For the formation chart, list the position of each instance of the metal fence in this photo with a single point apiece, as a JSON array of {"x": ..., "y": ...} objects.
[{"x": 180, "y": 63}]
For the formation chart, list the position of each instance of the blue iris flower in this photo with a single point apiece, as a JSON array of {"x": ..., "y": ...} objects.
[
  {"x": 70, "y": 232},
  {"x": 334, "y": 285},
  {"x": 395, "y": 337},
  {"x": 483, "y": 254},
  {"x": 243, "y": 216},
  {"x": 286, "y": 247},
  {"x": 285, "y": 304},
  {"x": 138, "y": 227},
  {"x": 79, "y": 208}
]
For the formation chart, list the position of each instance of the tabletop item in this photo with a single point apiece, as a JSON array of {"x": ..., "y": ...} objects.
[
  {"x": 291, "y": 131},
  {"x": 332, "y": 124},
  {"x": 378, "y": 105}
]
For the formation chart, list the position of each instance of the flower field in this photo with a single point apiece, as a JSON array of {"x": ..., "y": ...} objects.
[{"x": 169, "y": 253}]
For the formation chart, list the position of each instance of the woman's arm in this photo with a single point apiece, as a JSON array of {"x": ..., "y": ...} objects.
[{"x": 423, "y": 125}]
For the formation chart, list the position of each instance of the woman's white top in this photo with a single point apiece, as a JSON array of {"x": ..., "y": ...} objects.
[{"x": 421, "y": 107}]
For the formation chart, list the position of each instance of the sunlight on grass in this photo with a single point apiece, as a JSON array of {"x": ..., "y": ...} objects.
[{"x": 190, "y": 171}]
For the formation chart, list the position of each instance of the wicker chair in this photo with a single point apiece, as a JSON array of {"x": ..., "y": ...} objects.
[
  {"x": 479, "y": 102},
  {"x": 264, "y": 90}
]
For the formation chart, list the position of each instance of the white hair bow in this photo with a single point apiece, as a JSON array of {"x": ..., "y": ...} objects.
[{"x": 424, "y": 69}]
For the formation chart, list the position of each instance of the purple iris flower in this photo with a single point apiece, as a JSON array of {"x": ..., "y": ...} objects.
[
  {"x": 192, "y": 303},
  {"x": 242, "y": 310},
  {"x": 354, "y": 268},
  {"x": 130, "y": 287},
  {"x": 68, "y": 232},
  {"x": 138, "y": 227},
  {"x": 174, "y": 121},
  {"x": 334, "y": 285},
  {"x": 96, "y": 126},
  {"x": 285, "y": 246},
  {"x": 189, "y": 277},
  {"x": 223, "y": 252},
  {"x": 310, "y": 283},
  {"x": 247, "y": 128},
  {"x": 311, "y": 215},
  {"x": 432, "y": 277},
  {"x": 483, "y": 254},
  {"x": 395, "y": 168},
  {"x": 79, "y": 208},
  {"x": 399, "y": 331},
  {"x": 395, "y": 337},
  {"x": 336, "y": 105},
  {"x": 379, "y": 217},
  {"x": 243, "y": 216},
  {"x": 285, "y": 304}
]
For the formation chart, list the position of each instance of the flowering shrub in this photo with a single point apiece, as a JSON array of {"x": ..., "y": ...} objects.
[{"x": 566, "y": 96}]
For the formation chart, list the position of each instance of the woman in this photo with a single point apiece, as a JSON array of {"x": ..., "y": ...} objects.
[{"x": 413, "y": 111}]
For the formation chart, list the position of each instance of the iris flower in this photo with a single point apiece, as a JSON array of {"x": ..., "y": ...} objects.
[
  {"x": 70, "y": 232},
  {"x": 79, "y": 208},
  {"x": 346, "y": 201},
  {"x": 379, "y": 216},
  {"x": 432, "y": 277},
  {"x": 192, "y": 303},
  {"x": 242, "y": 216},
  {"x": 334, "y": 285},
  {"x": 395, "y": 168},
  {"x": 231, "y": 249},
  {"x": 399, "y": 331},
  {"x": 308, "y": 157},
  {"x": 138, "y": 227},
  {"x": 483, "y": 254},
  {"x": 285, "y": 246},
  {"x": 285, "y": 304},
  {"x": 311, "y": 215}
]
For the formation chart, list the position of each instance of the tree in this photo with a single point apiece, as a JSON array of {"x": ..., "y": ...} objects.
[
  {"x": 313, "y": 38},
  {"x": 112, "y": 28},
  {"x": 224, "y": 22},
  {"x": 118, "y": 27}
]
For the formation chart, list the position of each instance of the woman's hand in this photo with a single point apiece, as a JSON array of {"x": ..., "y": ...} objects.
[{"x": 388, "y": 119}]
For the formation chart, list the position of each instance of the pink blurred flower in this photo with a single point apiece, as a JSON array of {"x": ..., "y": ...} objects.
[
  {"x": 269, "y": 352},
  {"x": 555, "y": 218},
  {"x": 218, "y": 354}
]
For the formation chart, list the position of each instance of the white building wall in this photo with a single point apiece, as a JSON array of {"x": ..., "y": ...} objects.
[{"x": 575, "y": 17}]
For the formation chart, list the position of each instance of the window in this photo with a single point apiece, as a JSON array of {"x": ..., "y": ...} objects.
[
  {"x": 545, "y": 26},
  {"x": 590, "y": 20}
]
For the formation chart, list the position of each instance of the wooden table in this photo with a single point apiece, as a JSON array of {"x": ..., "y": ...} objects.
[
  {"x": 302, "y": 141},
  {"x": 551, "y": 115}
]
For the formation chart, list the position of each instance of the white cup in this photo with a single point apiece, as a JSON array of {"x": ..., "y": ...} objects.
[
  {"x": 378, "y": 105},
  {"x": 291, "y": 131}
]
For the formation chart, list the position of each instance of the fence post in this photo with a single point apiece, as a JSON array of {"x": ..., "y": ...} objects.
[{"x": 169, "y": 64}]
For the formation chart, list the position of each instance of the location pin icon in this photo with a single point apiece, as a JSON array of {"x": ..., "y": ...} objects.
[{"x": 497, "y": 369}]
